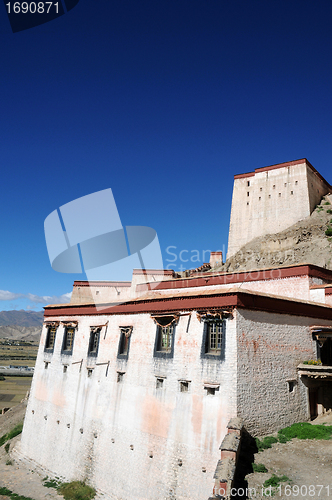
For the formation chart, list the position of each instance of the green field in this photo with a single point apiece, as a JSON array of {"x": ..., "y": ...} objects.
[{"x": 13, "y": 390}]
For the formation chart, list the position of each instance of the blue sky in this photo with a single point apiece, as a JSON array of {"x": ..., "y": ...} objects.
[{"x": 162, "y": 101}]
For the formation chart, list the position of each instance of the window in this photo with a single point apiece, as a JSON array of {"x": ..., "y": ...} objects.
[
  {"x": 94, "y": 341},
  {"x": 248, "y": 193},
  {"x": 213, "y": 339},
  {"x": 68, "y": 339},
  {"x": 124, "y": 342},
  {"x": 248, "y": 183},
  {"x": 166, "y": 338},
  {"x": 159, "y": 382},
  {"x": 291, "y": 384},
  {"x": 261, "y": 189},
  {"x": 50, "y": 337},
  {"x": 184, "y": 385},
  {"x": 164, "y": 344}
]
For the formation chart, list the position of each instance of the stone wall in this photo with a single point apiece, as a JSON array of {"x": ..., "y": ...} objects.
[
  {"x": 270, "y": 347},
  {"x": 129, "y": 438}
]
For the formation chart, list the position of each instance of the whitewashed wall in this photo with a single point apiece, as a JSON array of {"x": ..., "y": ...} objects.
[{"x": 96, "y": 428}]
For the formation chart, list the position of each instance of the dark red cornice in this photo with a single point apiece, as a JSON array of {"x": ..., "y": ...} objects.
[
  {"x": 208, "y": 279},
  {"x": 102, "y": 283},
  {"x": 147, "y": 272},
  {"x": 232, "y": 299}
]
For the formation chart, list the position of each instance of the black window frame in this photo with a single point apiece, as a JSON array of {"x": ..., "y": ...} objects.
[
  {"x": 68, "y": 352},
  {"x": 94, "y": 341},
  {"x": 47, "y": 347},
  {"x": 124, "y": 342},
  {"x": 206, "y": 351},
  {"x": 159, "y": 351}
]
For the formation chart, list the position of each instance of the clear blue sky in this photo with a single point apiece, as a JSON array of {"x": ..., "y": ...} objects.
[{"x": 163, "y": 101}]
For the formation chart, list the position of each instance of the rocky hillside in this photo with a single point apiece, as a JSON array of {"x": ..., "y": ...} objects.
[
  {"x": 304, "y": 242},
  {"x": 15, "y": 332},
  {"x": 21, "y": 325},
  {"x": 21, "y": 318}
]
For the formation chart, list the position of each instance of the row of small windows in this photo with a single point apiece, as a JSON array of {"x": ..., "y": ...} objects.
[
  {"x": 213, "y": 333},
  {"x": 274, "y": 186},
  {"x": 260, "y": 198},
  {"x": 184, "y": 385}
]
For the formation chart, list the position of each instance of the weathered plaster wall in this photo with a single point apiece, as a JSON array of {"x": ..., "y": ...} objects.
[
  {"x": 296, "y": 287},
  {"x": 96, "y": 427},
  {"x": 100, "y": 292},
  {"x": 270, "y": 347},
  {"x": 316, "y": 187}
]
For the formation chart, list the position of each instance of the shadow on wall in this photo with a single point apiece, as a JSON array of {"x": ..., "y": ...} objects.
[{"x": 245, "y": 461}]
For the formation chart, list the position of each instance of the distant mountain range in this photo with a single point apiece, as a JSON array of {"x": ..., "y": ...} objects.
[
  {"x": 21, "y": 325},
  {"x": 21, "y": 318}
]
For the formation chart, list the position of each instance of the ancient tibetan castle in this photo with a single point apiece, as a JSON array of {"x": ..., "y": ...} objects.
[{"x": 136, "y": 396}]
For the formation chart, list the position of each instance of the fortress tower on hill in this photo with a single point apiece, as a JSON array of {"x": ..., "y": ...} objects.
[{"x": 271, "y": 199}]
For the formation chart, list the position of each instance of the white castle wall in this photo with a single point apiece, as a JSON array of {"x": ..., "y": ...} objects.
[
  {"x": 97, "y": 428},
  {"x": 272, "y": 199}
]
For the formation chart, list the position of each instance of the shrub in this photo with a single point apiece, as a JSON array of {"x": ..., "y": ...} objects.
[
  {"x": 312, "y": 362},
  {"x": 304, "y": 430},
  {"x": 51, "y": 483},
  {"x": 14, "y": 432},
  {"x": 327, "y": 203},
  {"x": 266, "y": 442},
  {"x": 328, "y": 231},
  {"x": 7, "y": 446},
  {"x": 275, "y": 480},
  {"x": 76, "y": 490},
  {"x": 9, "y": 462},
  {"x": 11, "y": 495},
  {"x": 329, "y": 211},
  {"x": 283, "y": 439},
  {"x": 259, "y": 468}
]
